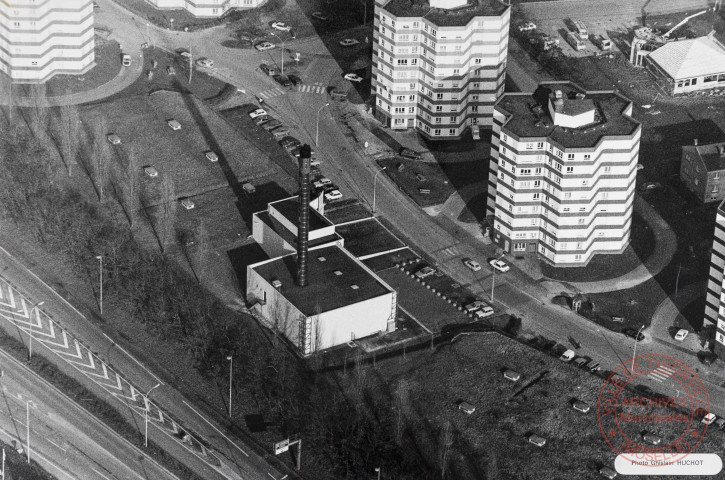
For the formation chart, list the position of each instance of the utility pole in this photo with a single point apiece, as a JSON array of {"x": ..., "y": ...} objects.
[
  {"x": 146, "y": 404},
  {"x": 27, "y": 425},
  {"x": 100, "y": 282},
  {"x": 191, "y": 65},
  {"x": 231, "y": 364}
]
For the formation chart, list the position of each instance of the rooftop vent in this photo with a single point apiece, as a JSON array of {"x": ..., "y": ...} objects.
[
  {"x": 721, "y": 150},
  {"x": 558, "y": 94},
  {"x": 337, "y": 272},
  {"x": 354, "y": 287},
  {"x": 695, "y": 142},
  {"x": 321, "y": 258},
  {"x": 276, "y": 284}
]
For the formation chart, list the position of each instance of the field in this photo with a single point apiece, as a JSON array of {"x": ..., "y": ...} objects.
[{"x": 490, "y": 443}]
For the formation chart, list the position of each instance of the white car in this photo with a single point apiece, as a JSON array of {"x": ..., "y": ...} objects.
[
  {"x": 126, "y": 60},
  {"x": 211, "y": 156},
  {"x": 205, "y": 62},
  {"x": 475, "y": 305},
  {"x": 114, "y": 139},
  {"x": 567, "y": 356},
  {"x": 472, "y": 264},
  {"x": 580, "y": 406},
  {"x": 187, "y": 203},
  {"x": 353, "y": 77},
  {"x": 485, "y": 312},
  {"x": 499, "y": 265},
  {"x": 257, "y": 113},
  {"x": 333, "y": 195},
  {"x": 349, "y": 42},
  {"x": 151, "y": 171},
  {"x": 681, "y": 334},
  {"x": 281, "y": 26},
  {"x": 709, "y": 418},
  {"x": 527, "y": 27},
  {"x": 320, "y": 16},
  {"x": 262, "y": 46},
  {"x": 174, "y": 125}
]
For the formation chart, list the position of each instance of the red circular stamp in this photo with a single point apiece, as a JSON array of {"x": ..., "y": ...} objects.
[{"x": 650, "y": 428}]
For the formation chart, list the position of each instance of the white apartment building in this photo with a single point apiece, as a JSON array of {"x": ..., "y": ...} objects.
[
  {"x": 438, "y": 67},
  {"x": 562, "y": 173},
  {"x": 715, "y": 300},
  {"x": 42, "y": 38},
  {"x": 205, "y": 8}
]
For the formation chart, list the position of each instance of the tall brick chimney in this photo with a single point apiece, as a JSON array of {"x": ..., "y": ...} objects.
[{"x": 303, "y": 227}]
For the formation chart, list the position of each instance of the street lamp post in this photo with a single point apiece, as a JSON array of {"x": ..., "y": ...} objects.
[
  {"x": 377, "y": 469},
  {"x": 100, "y": 282},
  {"x": 146, "y": 422},
  {"x": 30, "y": 330},
  {"x": 231, "y": 364},
  {"x": 634, "y": 352},
  {"x": 375, "y": 184},
  {"x": 317, "y": 128},
  {"x": 280, "y": 39},
  {"x": 493, "y": 277},
  {"x": 27, "y": 425}
]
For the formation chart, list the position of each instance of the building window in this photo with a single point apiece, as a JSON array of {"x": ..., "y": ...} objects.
[
  {"x": 540, "y": 145},
  {"x": 411, "y": 109},
  {"x": 577, "y": 258},
  {"x": 438, "y": 119},
  {"x": 585, "y": 183},
  {"x": 569, "y": 169},
  {"x": 452, "y": 131},
  {"x": 474, "y": 108},
  {"x": 570, "y": 156},
  {"x": 587, "y": 156},
  {"x": 605, "y": 195},
  {"x": 439, "y": 108},
  {"x": 454, "y": 119},
  {"x": 402, "y": 61},
  {"x": 439, "y": 96},
  {"x": 537, "y": 196},
  {"x": 414, "y": 61},
  {"x": 607, "y": 169},
  {"x": 399, "y": 109},
  {"x": 456, "y": 71},
  {"x": 477, "y": 61},
  {"x": 520, "y": 246},
  {"x": 581, "y": 221},
  {"x": 537, "y": 183},
  {"x": 437, "y": 131}
]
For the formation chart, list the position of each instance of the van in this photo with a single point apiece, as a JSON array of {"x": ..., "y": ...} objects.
[
  {"x": 603, "y": 43},
  {"x": 575, "y": 41},
  {"x": 476, "y": 132},
  {"x": 126, "y": 60}
]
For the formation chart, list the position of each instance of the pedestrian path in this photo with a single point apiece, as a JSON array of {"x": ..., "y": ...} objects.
[
  {"x": 661, "y": 374},
  {"x": 271, "y": 93},
  {"x": 315, "y": 88}
]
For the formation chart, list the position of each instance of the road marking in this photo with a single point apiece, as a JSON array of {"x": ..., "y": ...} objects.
[
  {"x": 99, "y": 473},
  {"x": 116, "y": 345},
  {"x": 53, "y": 443},
  {"x": 212, "y": 426},
  {"x": 661, "y": 374}
]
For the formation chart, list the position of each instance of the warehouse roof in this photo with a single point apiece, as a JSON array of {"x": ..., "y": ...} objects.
[{"x": 690, "y": 58}]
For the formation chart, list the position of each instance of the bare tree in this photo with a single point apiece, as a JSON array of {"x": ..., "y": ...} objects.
[
  {"x": 69, "y": 126},
  {"x": 167, "y": 216},
  {"x": 101, "y": 155},
  {"x": 131, "y": 186},
  {"x": 38, "y": 108},
  {"x": 400, "y": 397},
  {"x": 444, "y": 447},
  {"x": 202, "y": 250}
]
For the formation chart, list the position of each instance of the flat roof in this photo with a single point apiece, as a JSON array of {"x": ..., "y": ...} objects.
[
  {"x": 326, "y": 290},
  {"x": 290, "y": 237},
  {"x": 289, "y": 208},
  {"x": 528, "y": 115},
  {"x": 460, "y": 16}
]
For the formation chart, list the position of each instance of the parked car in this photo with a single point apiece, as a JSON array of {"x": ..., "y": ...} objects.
[
  {"x": 475, "y": 305},
  {"x": 320, "y": 16},
  {"x": 262, "y": 46},
  {"x": 652, "y": 439},
  {"x": 484, "y": 312},
  {"x": 170, "y": 70},
  {"x": 681, "y": 334},
  {"x": 537, "y": 440},
  {"x": 262, "y": 119},
  {"x": 466, "y": 407},
  {"x": 257, "y": 113},
  {"x": 707, "y": 358},
  {"x": 353, "y": 77},
  {"x": 581, "y": 406},
  {"x": 280, "y": 131},
  {"x": 126, "y": 60},
  {"x": 511, "y": 375},
  {"x": 709, "y": 418},
  {"x": 267, "y": 69},
  {"x": 634, "y": 333},
  {"x": 408, "y": 153},
  {"x": 499, "y": 265},
  {"x": 349, "y": 42},
  {"x": 472, "y": 264},
  {"x": 205, "y": 62},
  {"x": 567, "y": 356},
  {"x": 282, "y": 80},
  {"x": 321, "y": 182},
  {"x": 720, "y": 423},
  {"x": 183, "y": 52},
  {"x": 281, "y": 26},
  {"x": 248, "y": 188},
  {"x": 333, "y": 195},
  {"x": 211, "y": 156},
  {"x": 187, "y": 203},
  {"x": 425, "y": 272},
  {"x": 114, "y": 139},
  {"x": 288, "y": 143},
  {"x": 608, "y": 473},
  {"x": 528, "y": 26},
  {"x": 175, "y": 125},
  {"x": 271, "y": 125},
  {"x": 150, "y": 171},
  {"x": 647, "y": 186},
  {"x": 295, "y": 79}
]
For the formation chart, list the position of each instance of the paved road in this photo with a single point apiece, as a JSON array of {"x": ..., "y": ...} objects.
[{"x": 65, "y": 439}]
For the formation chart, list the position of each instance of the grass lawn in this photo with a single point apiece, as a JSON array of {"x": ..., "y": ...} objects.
[
  {"x": 604, "y": 266},
  {"x": 367, "y": 237},
  {"x": 491, "y": 442},
  {"x": 416, "y": 175}
]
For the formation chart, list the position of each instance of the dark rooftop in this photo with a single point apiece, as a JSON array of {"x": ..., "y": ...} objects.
[
  {"x": 710, "y": 154},
  {"x": 368, "y": 237},
  {"x": 528, "y": 115},
  {"x": 445, "y": 17},
  {"x": 290, "y": 237},
  {"x": 326, "y": 290},
  {"x": 289, "y": 208}
]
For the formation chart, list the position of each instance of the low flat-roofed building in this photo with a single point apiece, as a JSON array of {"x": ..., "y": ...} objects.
[
  {"x": 205, "y": 8},
  {"x": 702, "y": 170},
  {"x": 688, "y": 65},
  {"x": 343, "y": 299}
]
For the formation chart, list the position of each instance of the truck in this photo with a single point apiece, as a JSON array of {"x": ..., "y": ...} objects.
[
  {"x": 575, "y": 41},
  {"x": 602, "y": 42},
  {"x": 580, "y": 28}
]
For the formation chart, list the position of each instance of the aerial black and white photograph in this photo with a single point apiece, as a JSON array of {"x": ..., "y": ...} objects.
[{"x": 362, "y": 239}]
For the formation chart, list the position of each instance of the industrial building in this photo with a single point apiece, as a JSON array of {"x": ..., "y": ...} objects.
[
  {"x": 562, "y": 174},
  {"x": 322, "y": 295},
  {"x": 40, "y": 39},
  {"x": 438, "y": 66},
  {"x": 715, "y": 300},
  {"x": 205, "y": 8},
  {"x": 702, "y": 171}
]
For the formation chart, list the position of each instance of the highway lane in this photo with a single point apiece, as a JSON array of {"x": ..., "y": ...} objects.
[{"x": 64, "y": 438}]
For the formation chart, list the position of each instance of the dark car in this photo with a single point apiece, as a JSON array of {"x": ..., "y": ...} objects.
[
  {"x": 295, "y": 79},
  {"x": 282, "y": 80},
  {"x": 289, "y": 143},
  {"x": 707, "y": 358},
  {"x": 633, "y": 333},
  {"x": 261, "y": 120},
  {"x": 647, "y": 186},
  {"x": 408, "y": 153},
  {"x": 296, "y": 151},
  {"x": 267, "y": 69},
  {"x": 271, "y": 124}
]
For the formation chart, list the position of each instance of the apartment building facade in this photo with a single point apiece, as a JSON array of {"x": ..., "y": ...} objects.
[
  {"x": 205, "y": 8},
  {"x": 562, "y": 173},
  {"x": 702, "y": 171},
  {"x": 438, "y": 66},
  {"x": 715, "y": 299},
  {"x": 42, "y": 38}
]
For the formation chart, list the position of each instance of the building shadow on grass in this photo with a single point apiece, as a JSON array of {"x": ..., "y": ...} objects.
[{"x": 243, "y": 256}]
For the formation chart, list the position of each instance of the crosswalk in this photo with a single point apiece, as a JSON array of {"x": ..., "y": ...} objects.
[
  {"x": 661, "y": 374},
  {"x": 277, "y": 91}
]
